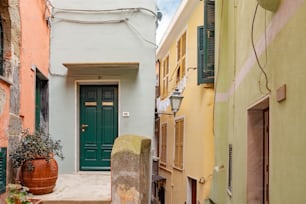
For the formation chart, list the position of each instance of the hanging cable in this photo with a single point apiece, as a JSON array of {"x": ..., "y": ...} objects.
[
  {"x": 91, "y": 22},
  {"x": 255, "y": 52},
  {"x": 139, "y": 34},
  {"x": 136, "y": 9}
]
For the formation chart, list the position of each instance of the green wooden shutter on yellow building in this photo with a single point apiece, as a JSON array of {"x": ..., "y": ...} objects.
[{"x": 206, "y": 45}]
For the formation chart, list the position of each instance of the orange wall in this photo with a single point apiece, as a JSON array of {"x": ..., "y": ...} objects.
[
  {"x": 4, "y": 117},
  {"x": 34, "y": 51}
]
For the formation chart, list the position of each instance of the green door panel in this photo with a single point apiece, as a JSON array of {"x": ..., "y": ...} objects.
[{"x": 98, "y": 126}]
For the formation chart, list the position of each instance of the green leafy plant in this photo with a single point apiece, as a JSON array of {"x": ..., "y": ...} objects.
[
  {"x": 17, "y": 194},
  {"x": 32, "y": 146}
]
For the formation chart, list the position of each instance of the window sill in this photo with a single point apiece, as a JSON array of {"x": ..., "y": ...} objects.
[
  {"x": 208, "y": 85},
  {"x": 164, "y": 168},
  {"x": 6, "y": 81},
  {"x": 178, "y": 168},
  {"x": 162, "y": 164}
]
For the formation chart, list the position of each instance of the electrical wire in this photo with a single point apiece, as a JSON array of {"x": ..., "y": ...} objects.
[
  {"x": 266, "y": 52},
  {"x": 136, "y": 9},
  {"x": 91, "y": 22},
  {"x": 133, "y": 10},
  {"x": 255, "y": 52},
  {"x": 139, "y": 34}
]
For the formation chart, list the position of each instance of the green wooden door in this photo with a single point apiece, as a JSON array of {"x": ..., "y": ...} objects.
[{"x": 98, "y": 125}]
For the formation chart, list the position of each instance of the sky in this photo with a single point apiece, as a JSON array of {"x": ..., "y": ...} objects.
[{"x": 168, "y": 8}]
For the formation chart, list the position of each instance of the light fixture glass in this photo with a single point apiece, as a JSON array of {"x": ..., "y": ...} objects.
[{"x": 175, "y": 101}]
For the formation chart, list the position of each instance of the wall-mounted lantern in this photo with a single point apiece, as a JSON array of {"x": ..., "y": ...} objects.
[{"x": 175, "y": 102}]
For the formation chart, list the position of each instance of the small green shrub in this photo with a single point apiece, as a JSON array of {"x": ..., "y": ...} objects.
[{"x": 17, "y": 194}]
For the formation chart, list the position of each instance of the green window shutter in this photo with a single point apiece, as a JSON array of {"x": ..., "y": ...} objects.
[
  {"x": 207, "y": 72},
  {"x": 2, "y": 169},
  {"x": 200, "y": 54}
]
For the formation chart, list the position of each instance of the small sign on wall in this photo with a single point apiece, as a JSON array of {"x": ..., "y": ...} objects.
[
  {"x": 125, "y": 114},
  {"x": 281, "y": 93}
]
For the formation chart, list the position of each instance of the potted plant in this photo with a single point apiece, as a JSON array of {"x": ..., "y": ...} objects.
[
  {"x": 18, "y": 194},
  {"x": 34, "y": 156}
]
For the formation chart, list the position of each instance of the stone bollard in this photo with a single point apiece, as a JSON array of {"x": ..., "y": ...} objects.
[{"x": 130, "y": 170}]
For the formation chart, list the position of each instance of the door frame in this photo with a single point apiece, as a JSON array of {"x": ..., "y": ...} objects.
[
  {"x": 191, "y": 191},
  {"x": 77, "y": 85},
  {"x": 256, "y": 133}
]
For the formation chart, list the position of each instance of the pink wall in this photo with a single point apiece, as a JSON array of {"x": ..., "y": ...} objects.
[
  {"x": 34, "y": 51},
  {"x": 4, "y": 116}
]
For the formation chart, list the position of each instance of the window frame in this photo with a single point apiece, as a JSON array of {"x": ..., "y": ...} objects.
[
  {"x": 178, "y": 159},
  {"x": 181, "y": 52},
  {"x": 3, "y": 160},
  {"x": 163, "y": 144},
  {"x": 165, "y": 77},
  {"x": 41, "y": 96}
]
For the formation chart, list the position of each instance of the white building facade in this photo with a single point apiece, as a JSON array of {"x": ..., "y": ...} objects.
[{"x": 102, "y": 77}]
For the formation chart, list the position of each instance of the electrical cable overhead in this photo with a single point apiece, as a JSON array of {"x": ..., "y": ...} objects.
[
  {"x": 255, "y": 52},
  {"x": 139, "y": 34},
  {"x": 91, "y": 21},
  {"x": 73, "y": 10},
  {"x": 56, "y": 10}
]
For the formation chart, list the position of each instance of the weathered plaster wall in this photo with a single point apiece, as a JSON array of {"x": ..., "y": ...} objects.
[
  {"x": 79, "y": 41},
  {"x": 24, "y": 27},
  {"x": 10, "y": 122},
  {"x": 34, "y": 54},
  {"x": 4, "y": 113},
  {"x": 11, "y": 26},
  {"x": 240, "y": 84}
]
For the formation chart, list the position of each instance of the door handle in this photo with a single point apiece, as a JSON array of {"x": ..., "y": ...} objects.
[{"x": 84, "y": 126}]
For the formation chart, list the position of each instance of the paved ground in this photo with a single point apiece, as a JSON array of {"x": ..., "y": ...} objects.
[{"x": 80, "y": 187}]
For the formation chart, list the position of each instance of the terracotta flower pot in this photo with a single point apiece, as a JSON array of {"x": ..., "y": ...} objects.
[{"x": 43, "y": 177}]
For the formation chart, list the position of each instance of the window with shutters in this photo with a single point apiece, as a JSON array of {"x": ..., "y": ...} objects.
[
  {"x": 206, "y": 45},
  {"x": 163, "y": 154},
  {"x": 1, "y": 48},
  {"x": 179, "y": 143},
  {"x": 181, "y": 57},
  {"x": 229, "y": 179},
  {"x": 2, "y": 169},
  {"x": 165, "y": 77}
]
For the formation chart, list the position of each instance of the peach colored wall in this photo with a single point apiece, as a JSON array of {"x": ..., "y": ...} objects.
[
  {"x": 4, "y": 115},
  {"x": 34, "y": 51}
]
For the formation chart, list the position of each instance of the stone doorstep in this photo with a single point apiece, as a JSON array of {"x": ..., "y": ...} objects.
[{"x": 80, "y": 188}]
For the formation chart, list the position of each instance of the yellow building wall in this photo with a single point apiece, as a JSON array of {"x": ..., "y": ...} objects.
[
  {"x": 197, "y": 111},
  {"x": 240, "y": 84}
]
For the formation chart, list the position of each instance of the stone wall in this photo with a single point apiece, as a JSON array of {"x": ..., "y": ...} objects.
[
  {"x": 130, "y": 180},
  {"x": 10, "y": 121}
]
